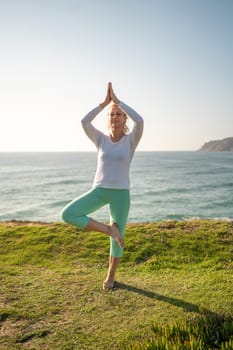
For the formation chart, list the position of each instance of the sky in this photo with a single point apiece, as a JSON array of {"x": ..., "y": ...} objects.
[{"x": 170, "y": 60}]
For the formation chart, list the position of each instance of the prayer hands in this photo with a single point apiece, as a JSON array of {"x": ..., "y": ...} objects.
[{"x": 110, "y": 96}]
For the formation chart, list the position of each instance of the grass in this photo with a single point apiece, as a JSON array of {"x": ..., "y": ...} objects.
[{"x": 174, "y": 281}]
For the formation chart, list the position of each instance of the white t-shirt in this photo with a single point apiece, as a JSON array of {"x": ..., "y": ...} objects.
[{"x": 114, "y": 158}]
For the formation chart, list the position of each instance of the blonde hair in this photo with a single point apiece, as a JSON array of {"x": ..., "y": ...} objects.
[{"x": 125, "y": 127}]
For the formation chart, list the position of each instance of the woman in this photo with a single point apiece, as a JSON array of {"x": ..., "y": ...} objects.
[{"x": 111, "y": 182}]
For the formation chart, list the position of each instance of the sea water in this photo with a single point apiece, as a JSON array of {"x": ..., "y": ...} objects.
[{"x": 164, "y": 185}]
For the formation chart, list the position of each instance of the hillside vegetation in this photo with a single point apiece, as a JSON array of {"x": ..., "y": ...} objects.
[
  {"x": 174, "y": 287},
  {"x": 224, "y": 145}
]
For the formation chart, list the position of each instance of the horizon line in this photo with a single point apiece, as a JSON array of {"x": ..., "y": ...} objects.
[{"x": 88, "y": 151}]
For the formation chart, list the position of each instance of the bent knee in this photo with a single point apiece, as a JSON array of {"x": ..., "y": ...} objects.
[
  {"x": 65, "y": 215},
  {"x": 79, "y": 221}
]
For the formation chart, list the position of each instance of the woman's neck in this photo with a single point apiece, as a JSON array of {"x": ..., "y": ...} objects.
[{"x": 116, "y": 135}]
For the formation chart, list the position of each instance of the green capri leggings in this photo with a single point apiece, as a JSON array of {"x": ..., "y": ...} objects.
[{"x": 75, "y": 213}]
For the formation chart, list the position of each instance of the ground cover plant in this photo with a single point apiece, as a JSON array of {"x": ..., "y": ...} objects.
[{"x": 174, "y": 287}]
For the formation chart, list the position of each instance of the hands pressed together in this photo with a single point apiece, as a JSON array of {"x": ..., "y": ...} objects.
[{"x": 109, "y": 97}]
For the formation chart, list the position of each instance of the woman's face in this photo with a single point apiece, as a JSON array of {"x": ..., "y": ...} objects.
[{"x": 117, "y": 118}]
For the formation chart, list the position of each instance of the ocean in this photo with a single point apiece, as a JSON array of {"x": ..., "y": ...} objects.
[{"x": 164, "y": 185}]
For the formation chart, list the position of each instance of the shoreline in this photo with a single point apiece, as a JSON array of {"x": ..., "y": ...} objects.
[{"x": 16, "y": 222}]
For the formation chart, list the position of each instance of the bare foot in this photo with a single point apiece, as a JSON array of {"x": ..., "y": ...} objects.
[
  {"x": 116, "y": 235},
  {"x": 107, "y": 285}
]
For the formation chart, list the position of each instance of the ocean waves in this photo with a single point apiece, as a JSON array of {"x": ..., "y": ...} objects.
[{"x": 164, "y": 185}]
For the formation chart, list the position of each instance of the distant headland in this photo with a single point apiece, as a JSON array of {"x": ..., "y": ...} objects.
[{"x": 225, "y": 145}]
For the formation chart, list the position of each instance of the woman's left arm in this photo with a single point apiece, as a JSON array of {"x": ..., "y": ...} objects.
[{"x": 137, "y": 119}]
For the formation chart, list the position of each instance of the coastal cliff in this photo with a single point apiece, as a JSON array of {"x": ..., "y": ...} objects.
[{"x": 225, "y": 145}]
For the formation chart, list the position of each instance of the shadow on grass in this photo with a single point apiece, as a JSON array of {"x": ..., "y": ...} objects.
[{"x": 177, "y": 302}]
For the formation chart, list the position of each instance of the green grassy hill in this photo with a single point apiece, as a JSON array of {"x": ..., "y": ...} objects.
[{"x": 174, "y": 281}]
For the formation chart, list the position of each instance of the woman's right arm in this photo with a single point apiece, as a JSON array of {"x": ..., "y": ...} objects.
[{"x": 93, "y": 133}]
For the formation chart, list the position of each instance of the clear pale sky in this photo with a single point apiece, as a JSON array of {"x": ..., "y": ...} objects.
[{"x": 171, "y": 60}]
